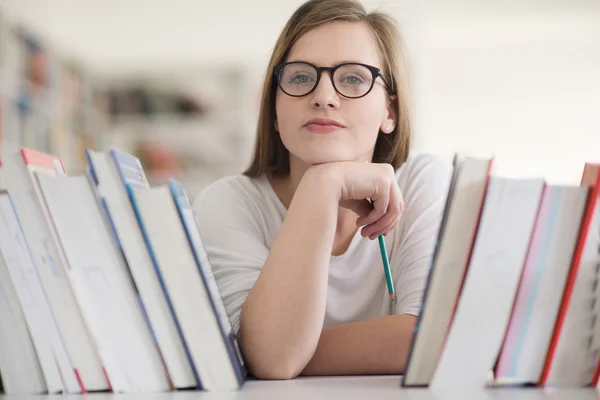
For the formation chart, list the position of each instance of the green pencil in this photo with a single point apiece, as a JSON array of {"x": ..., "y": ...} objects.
[{"x": 386, "y": 269}]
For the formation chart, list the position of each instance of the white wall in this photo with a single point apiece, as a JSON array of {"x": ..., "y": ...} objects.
[
  {"x": 525, "y": 86},
  {"x": 517, "y": 78}
]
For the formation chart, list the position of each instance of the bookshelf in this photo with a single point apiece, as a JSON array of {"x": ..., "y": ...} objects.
[
  {"x": 195, "y": 124},
  {"x": 48, "y": 102}
]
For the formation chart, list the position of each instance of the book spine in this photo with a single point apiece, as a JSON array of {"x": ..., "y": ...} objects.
[
  {"x": 430, "y": 276},
  {"x": 43, "y": 160},
  {"x": 92, "y": 170},
  {"x": 506, "y": 364},
  {"x": 131, "y": 193},
  {"x": 182, "y": 204},
  {"x": 592, "y": 204},
  {"x": 472, "y": 246},
  {"x": 129, "y": 168},
  {"x": 113, "y": 229}
]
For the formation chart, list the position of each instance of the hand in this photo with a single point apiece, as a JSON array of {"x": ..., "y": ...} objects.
[{"x": 358, "y": 182}]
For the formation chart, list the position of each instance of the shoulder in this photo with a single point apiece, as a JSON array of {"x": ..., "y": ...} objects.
[
  {"x": 424, "y": 172},
  {"x": 230, "y": 198},
  {"x": 424, "y": 180},
  {"x": 230, "y": 190}
]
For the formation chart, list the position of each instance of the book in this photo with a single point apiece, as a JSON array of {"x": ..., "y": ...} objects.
[
  {"x": 184, "y": 207},
  {"x": 19, "y": 362},
  {"x": 100, "y": 280},
  {"x": 450, "y": 260},
  {"x": 109, "y": 280},
  {"x": 544, "y": 275},
  {"x": 573, "y": 355},
  {"x": 180, "y": 262},
  {"x": 80, "y": 366},
  {"x": 485, "y": 303},
  {"x": 111, "y": 173}
]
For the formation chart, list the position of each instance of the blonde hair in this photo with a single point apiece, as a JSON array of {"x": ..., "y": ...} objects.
[{"x": 270, "y": 155}]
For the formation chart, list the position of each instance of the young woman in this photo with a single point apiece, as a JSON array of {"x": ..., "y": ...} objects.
[{"x": 293, "y": 240}]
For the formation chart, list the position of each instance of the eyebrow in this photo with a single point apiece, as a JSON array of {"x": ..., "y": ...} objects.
[{"x": 333, "y": 64}]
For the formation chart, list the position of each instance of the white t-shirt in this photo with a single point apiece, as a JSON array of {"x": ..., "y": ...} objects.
[{"x": 239, "y": 217}]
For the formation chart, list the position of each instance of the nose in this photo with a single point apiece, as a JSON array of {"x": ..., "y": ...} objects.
[{"x": 324, "y": 95}]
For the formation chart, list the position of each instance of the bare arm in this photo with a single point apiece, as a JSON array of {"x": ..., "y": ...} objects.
[
  {"x": 377, "y": 346},
  {"x": 282, "y": 317}
]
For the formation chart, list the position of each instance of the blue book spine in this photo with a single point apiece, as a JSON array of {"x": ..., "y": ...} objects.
[
  {"x": 122, "y": 254},
  {"x": 130, "y": 169},
  {"x": 131, "y": 192},
  {"x": 184, "y": 207},
  {"x": 91, "y": 166},
  {"x": 117, "y": 241}
]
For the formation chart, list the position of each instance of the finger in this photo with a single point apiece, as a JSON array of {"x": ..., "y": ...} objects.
[
  {"x": 380, "y": 206},
  {"x": 392, "y": 212},
  {"x": 400, "y": 198},
  {"x": 374, "y": 234},
  {"x": 373, "y": 230},
  {"x": 387, "y": 229},
  {"x": 394, "y": 223},
  {"x": 378, "y": 210},
  {"x": 390, "y": 227}
]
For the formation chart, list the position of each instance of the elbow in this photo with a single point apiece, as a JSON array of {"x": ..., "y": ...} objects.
[
  {"x": 275, "y": 370},
  {"x": 269, "y": 363},
  {"x": 270, "y": 357},
  {"x": 265, "y": 361}
]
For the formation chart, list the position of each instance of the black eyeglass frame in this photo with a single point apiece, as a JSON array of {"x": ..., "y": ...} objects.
[{"x": 375, "y": 72}]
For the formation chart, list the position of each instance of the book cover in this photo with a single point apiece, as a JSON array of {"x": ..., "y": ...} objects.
[
  {"x": 114, "y": 173},
  {"x": 155, "y": 264},
  {"x": 185, "y": 213}
]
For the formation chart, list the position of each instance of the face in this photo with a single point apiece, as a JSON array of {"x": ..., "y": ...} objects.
[{"x": 324, "y": 126}]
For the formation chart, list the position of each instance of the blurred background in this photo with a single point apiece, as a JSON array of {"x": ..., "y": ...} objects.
[{"x": 177, "y": 82}]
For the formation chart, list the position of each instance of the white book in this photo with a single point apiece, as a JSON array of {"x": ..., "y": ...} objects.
[
  {"x": 111, "y": 171},
  {"x": 461, "y": 218},
  {"x": 184, "y": 207},
  {"x": 80, "y": 364},
  {"x": 32, "y": 297},
  {"x": 489, "y": 289},
  {"x": 19, "y": 364},
  {"x": 103, "y": 286},
  {"x": 575, "y": 353},
  {"x": 544, "y": 276},
  {"x": 177, "y": 265}
]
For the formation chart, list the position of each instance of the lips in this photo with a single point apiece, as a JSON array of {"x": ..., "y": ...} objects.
[{"x": 323, "y": 125}]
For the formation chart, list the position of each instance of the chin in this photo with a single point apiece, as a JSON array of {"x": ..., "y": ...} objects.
[{"x": 323, "y": 157}]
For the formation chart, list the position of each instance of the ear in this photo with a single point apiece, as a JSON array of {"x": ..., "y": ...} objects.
[
  {"x": 276, "y": 126},
  {"x": 389, "y": 123}
]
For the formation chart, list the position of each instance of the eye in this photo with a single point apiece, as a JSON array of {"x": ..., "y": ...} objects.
[
  {"x": 353, "y": 80},
  {"x": 300, "y": 79}
]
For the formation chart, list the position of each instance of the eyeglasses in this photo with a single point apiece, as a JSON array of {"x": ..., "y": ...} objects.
[{"x": 351, "y": 80}]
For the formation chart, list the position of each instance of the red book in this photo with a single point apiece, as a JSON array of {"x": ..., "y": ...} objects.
[
  {"x": 591, "y": 178},
  {"x": 42, "y": 160}
]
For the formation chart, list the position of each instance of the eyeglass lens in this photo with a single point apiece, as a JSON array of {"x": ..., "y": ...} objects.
[{"x": 350, "y": 80}]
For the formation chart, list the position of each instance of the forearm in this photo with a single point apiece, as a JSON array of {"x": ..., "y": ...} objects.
[
  {"x": 377, "y": 346},
  {"x": 282, "y": 317}
]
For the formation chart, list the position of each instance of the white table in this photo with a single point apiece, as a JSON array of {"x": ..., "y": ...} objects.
[{"x": 347, "y": 388}]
